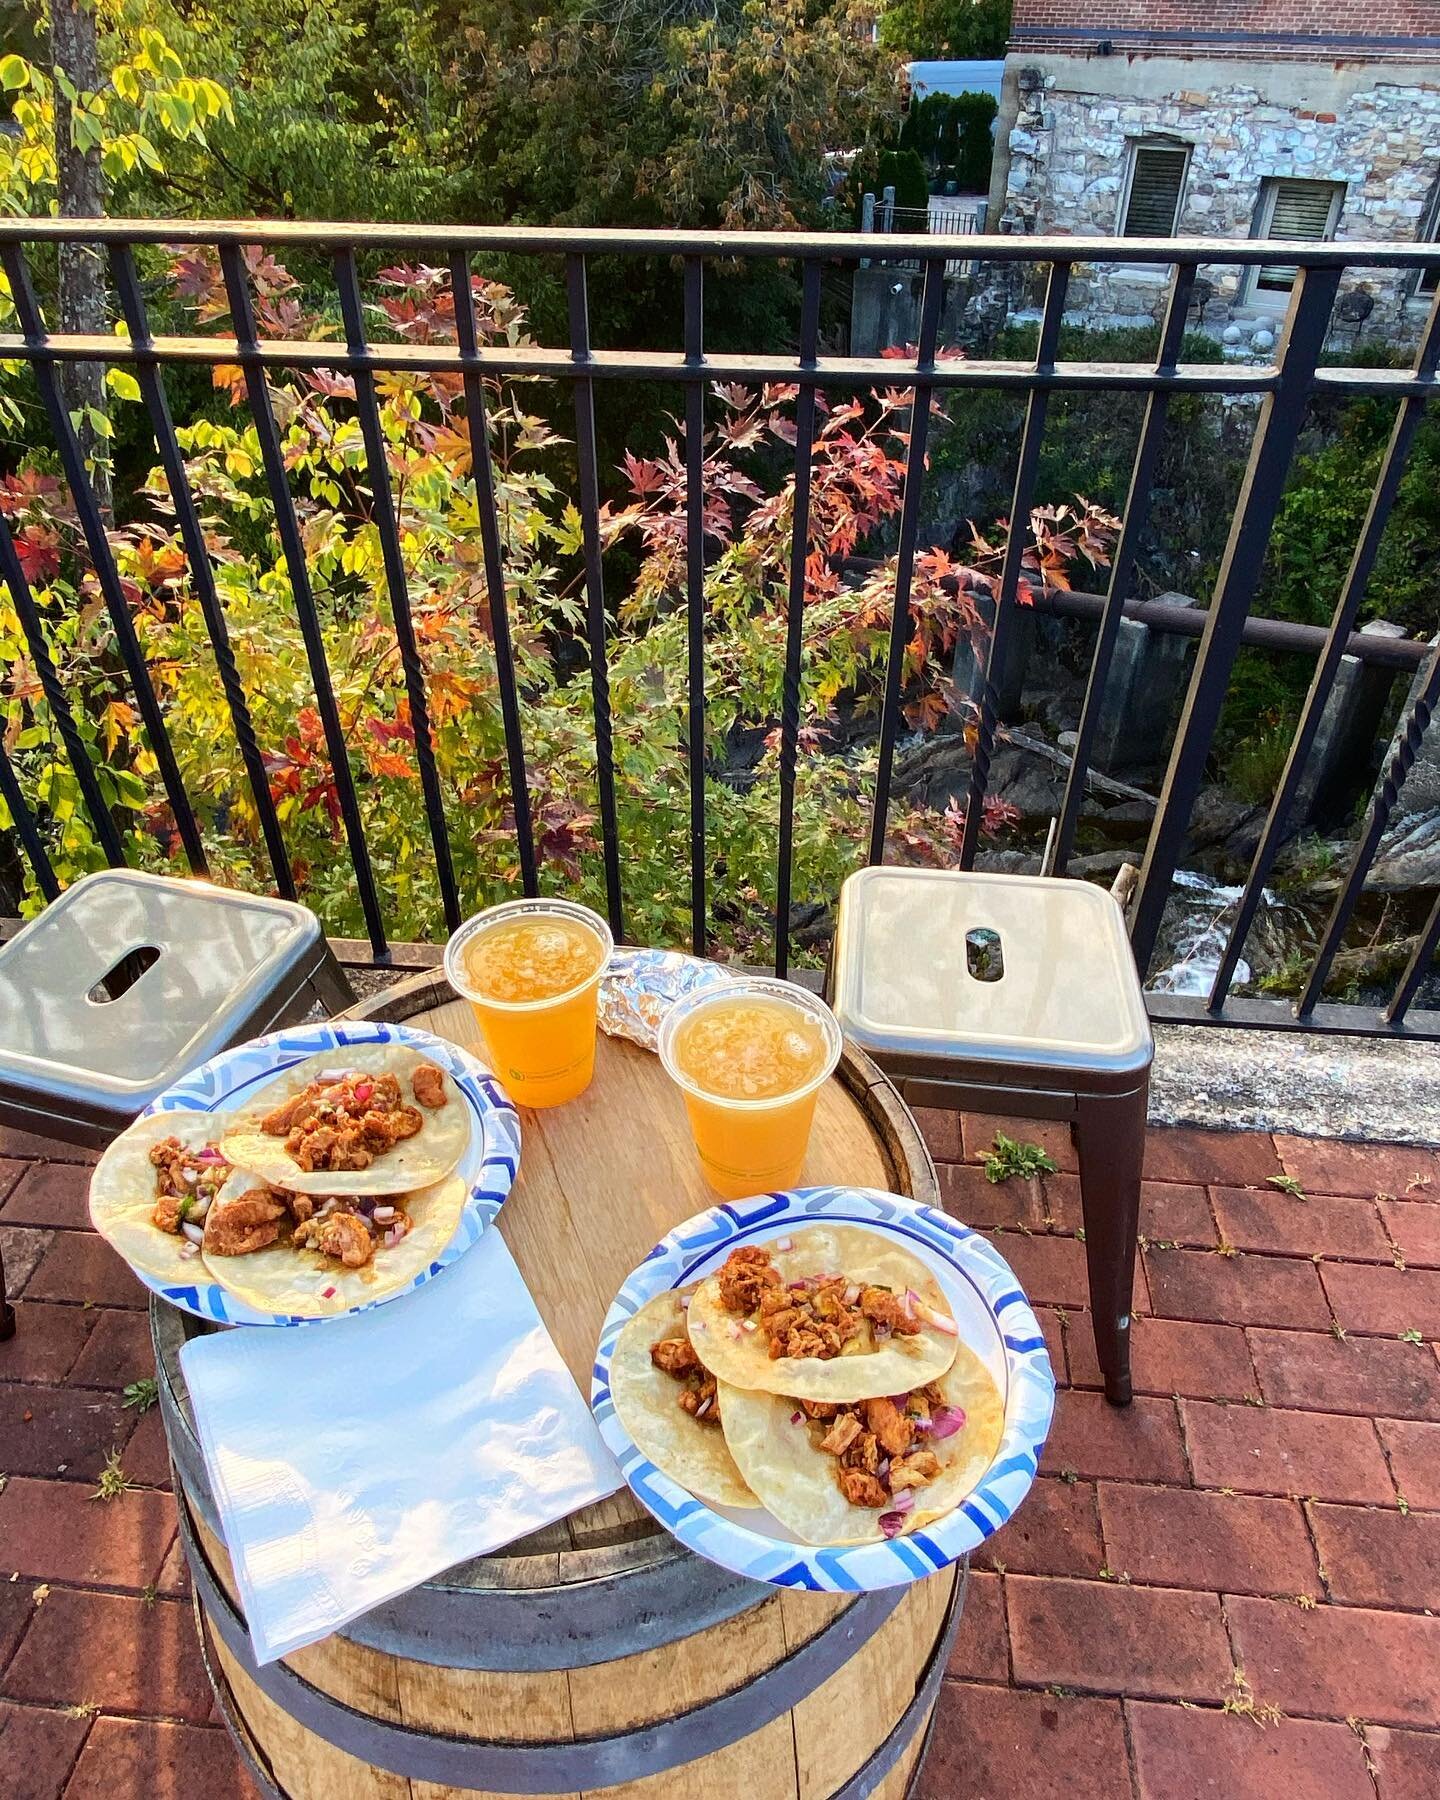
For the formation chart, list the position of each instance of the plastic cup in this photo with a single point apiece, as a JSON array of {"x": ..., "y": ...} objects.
[
  {"x": 542, "y": 1050},
  {"x": 750, "y": 1146}
]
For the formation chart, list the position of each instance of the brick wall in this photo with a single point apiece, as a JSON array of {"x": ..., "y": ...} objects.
[{"x": 1288, "y": 29}]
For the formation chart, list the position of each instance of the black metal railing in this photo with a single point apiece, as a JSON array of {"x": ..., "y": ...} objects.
[{"x": 1284, "y": 388}]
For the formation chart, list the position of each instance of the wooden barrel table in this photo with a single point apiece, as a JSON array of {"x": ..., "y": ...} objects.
[{"x": 597, "y": 1656}]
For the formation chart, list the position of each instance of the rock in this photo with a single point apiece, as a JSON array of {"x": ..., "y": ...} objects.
[
  {"x": 1217, "y": 816},
  {"x": 1103, "y": 863},
  {"x": 1008, "y": 862},
  {"x": 1409, "y": 856},
  {"x": 1067, "y": 740},
  {"x": 1129, "y": 813},
  {"x": 1037, "y": 790}
]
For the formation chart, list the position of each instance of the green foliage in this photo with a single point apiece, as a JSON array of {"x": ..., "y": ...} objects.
[
  {"x": 952, "y": 134},
  {"x": 904, "y": 171},
  {"x": 925, "y": 29},
  {"x": 1324, "y": 508},
  {"x": 1256, "y": 761},
  {"x": 148, "y": 100},
  {"x": 857, "y": 484},
  {"x": 141, "y": 1394},
  {"x": 113, "y": 1480},
  {"x": 1012, "y": 1156}
]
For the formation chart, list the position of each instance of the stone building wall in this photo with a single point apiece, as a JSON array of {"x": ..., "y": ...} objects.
[{"x": 1067, "y": 123}]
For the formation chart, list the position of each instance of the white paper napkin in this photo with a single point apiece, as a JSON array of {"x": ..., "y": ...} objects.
[{"x": 353, "y": 1460}]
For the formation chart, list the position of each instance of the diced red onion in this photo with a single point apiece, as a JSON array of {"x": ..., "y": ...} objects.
[
  {"x": 881, "y": 1331},
  {"x": 883, "y": 1469},
  {"x": 193, "y": 1232},
  {"x": 327, "y": 1293},
  {"x": 189, "y": 1250},
  {"x": 200, "y": 1207},
  {"x": 900, "y": 1400},
  {"x": 797, "y": 1417},
  {"x": 944, "y": 1422},
  {"x": 941, "y": 1321},
  {"x": 908, "y": 1303},
  {"x": 328, "y": 1075},
  {"x": 382, "y": 1215},
  {"x": 393, "y": 1236},
  {"x": 703, "y": 1408},
  {"x": 852, "y": 1293},
  {"x": 189, "y": 1176},
  {"x": 734, "y": 1329},
  {"x": 748, "y": 1325},
  {"x": 892, "y": 1523},
  {"x": 209, "y": 1155},
  {"x": 785, "y": 1243}
]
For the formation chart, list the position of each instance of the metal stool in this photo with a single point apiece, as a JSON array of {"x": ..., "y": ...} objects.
[
  {"x": 128, "y": 980},
  {"x": 1016, "y": 994}
]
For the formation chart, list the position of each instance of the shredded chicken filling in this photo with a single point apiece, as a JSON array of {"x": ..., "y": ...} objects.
[
  {"x": 878, "y": 1445},
  {"x": 344, "y": 1229},
  {"x": 346, "y": 1122},
  {"x": 698, "y": 1394},
  {"x": 185, "y": 1181},
  {"x": 817, "y": 1316}
]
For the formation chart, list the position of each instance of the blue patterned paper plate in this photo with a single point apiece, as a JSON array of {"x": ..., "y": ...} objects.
[
  {"x": 487, "y": 1168},
  {"x": 995, "y": 1321}
]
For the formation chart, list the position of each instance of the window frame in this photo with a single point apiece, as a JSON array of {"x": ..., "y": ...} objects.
[
  {"x": 1264, "y": 217},
  {"x": 1427, "y": 281},
  {"x": 1152, "y": 141}
]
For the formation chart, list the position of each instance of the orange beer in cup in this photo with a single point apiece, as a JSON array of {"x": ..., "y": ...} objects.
[
  {"x": 750, "y": 1058},
  {"x": 531, "y": 970}
]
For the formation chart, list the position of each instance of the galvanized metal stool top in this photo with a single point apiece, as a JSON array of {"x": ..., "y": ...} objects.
[
  {"x": 1013, "y": 994},
  {"x": 1019, "y": 971},
  {"x": 128, "y": 980}
]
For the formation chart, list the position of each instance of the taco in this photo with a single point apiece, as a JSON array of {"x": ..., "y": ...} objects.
[
  {"x": 318, "y": 1255},
  {"x": 837, "y": 1474},
  {"x": 152, "y": 1189},
  {"x": 833, "y": 1313},
  {"x": 364, "y": 1119},
  {"x": 667, "y": 1402}
]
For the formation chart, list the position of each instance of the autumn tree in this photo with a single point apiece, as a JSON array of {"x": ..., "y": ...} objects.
[{"x": 958, "y": 29}]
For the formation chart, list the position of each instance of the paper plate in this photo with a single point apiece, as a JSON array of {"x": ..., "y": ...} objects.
[
  {"x": 487, "y": 1168},
  {"x": 995, "y": 1321}
]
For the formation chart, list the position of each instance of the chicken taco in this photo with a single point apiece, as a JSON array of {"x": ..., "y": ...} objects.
[
  {"x": 152, "y": 1189},
  {"x": 833, "y": 1313},
  {"x": 847, "y": 1474},
  {"x": 365, "y": 1119},
  {"x": 315, "y": 1255},
  {"x": 667, "y": 1402}
]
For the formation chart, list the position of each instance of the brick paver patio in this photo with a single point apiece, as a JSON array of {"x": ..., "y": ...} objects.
[{"x": 1227, "y": 1592}]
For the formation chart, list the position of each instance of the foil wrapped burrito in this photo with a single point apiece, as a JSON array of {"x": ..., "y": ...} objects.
[{"x": 640, "y": 986}]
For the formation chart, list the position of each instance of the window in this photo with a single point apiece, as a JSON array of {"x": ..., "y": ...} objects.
[
  {"x": 1305, "y": 210},
  {"x": 1154, "y": 188}
]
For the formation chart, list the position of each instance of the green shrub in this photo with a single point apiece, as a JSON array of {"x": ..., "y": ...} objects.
[
  {"x": 952, "y": 135},
  {"x": 904, "y": 171}
]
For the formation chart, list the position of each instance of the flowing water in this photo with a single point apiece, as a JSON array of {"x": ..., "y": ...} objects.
[{"x": 1196, "y": 926}]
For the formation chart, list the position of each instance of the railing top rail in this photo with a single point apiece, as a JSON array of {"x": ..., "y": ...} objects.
[{"x": 839, "y": 245}]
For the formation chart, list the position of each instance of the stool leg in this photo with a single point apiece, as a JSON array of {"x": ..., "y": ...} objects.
[
  {"x": 7, "y": 1311},
  {"x": 332, "y": 984},
  {"x": 1110, "y": 1141}
]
